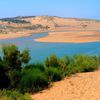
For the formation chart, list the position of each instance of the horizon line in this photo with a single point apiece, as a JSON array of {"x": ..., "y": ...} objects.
[{"x": 49, "y": 16}]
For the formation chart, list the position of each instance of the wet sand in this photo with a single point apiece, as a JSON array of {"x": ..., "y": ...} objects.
[
  {"x": 82, "y": 86},
  {"x": 71, "y": 36}
]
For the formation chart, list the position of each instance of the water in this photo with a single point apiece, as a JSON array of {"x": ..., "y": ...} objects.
[{"x": 39, "y": 51}]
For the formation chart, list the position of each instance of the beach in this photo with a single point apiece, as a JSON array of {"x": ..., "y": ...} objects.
[
  {"x": 19, "y": 34},
  {"x": 71, "y": 37}
]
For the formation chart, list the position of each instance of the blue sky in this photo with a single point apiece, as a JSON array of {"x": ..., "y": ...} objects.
[{"x": 63, "y": 8}]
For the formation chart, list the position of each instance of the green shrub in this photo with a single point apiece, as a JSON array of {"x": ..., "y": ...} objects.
[
  {"x": 71, "y": 69},
  {"x": 13, "y": 95},
  {"x": 39, "y": 66},
  {"x": 33, "y": 80},
  {"x": 53, "y": 74},
  {"x": 99, "y": 60},
  {"x": 85, "y": 63},
  {"x": 51, "y": 61}
]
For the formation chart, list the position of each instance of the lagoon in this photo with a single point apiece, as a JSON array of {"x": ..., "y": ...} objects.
[{"x": 39, "y": 51}]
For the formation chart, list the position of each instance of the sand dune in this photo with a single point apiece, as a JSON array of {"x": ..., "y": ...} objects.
[{"x": 83, "y": 86}]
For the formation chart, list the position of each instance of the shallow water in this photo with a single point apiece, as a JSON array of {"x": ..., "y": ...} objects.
[{"x": 39, "y": 51}]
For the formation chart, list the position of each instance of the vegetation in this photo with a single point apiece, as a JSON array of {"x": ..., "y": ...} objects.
[
  {"x": 33, "y": 80},
  {"x": 17, "y": 74},
  {"x": 13, "y": 95},
  {"x": 17, "y": 21}
]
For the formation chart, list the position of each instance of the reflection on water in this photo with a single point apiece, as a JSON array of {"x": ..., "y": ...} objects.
[{"x": 39, "y": 51}]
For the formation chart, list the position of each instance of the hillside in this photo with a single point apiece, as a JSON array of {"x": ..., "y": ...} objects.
[
  {"x": 52, "y": 22},
  {"x": 89, "y": 29},
  {"x": 68, "y": 23}
]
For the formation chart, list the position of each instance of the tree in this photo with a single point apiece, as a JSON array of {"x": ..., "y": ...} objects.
[
  {"x": 11, "y": 56},
  {"x": 25, "y": 58},
  {"x": 4, "y": 80},
  {"x": 13, "y": 60}
]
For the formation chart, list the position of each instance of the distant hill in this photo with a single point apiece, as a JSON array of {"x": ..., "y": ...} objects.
[{"x": 53, "y": 22}]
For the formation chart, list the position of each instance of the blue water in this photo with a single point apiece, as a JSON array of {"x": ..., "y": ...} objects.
[{"x": 39, "y": 51}]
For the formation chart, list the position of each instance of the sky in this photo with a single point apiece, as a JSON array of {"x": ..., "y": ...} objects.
[{"x": 63, "y": 8}]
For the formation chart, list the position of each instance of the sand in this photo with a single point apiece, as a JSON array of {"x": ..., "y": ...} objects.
[
  {"x": 82, "y": 86},
  {"x": 14, "y": 35},
  {"x": 11, "y": 35},
  {"x": 71, "y": 36},
  {"x": 81, "y": 30}
]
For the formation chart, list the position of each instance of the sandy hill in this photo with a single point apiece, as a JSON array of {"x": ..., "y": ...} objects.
[
  {"x": 53, "y": 22},
  {"x": 68, "y": 23},
  {"x": 90, "y": 29}
]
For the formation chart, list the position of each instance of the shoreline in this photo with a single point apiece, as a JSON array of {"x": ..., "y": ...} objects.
[
  {"x": 71, "y": 37},
  {"x": 54, "y": 36},
  {"x": 20, "y": 34}
]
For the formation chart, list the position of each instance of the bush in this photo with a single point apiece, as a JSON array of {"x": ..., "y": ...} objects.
[
  {"x": 51, "y": 61},
  {"x": 99, "y": 60},
  {"x": 63, "y": 63},
  {"x": 13, "y": 95},
  {"x": 53, "y": 74},
  {"x": 39, "y": 66},
  {"x": 33, "y": 80},
  {"x": 84, "y": 63},
  {"x": 71, "y": 69}
]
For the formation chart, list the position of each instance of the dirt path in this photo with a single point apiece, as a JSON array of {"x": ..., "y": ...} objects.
[{"x": 83, "y": 86}]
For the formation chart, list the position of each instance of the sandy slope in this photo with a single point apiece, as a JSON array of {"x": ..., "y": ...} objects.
[
  {"x": 54, "y": 22},
  {"x": 83, "y": 86}
]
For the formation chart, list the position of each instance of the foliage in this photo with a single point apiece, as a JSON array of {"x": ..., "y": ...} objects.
[
  {"x": 17, "y": 21},
  {"x": 11, "y": 56},
  {"x": 17, "y": 74},
  {"x": 25, "y": 58},
  {"x": 4, "y": 80},
  {"x": 53, "y": 74},
  {"x": 11, "y": 65},
  {"x": 13, "y": 95},
  {"x": 51, "y": 61},
  {"x": 33, "y": 80},
  {"x": 85, "y": 63}
]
